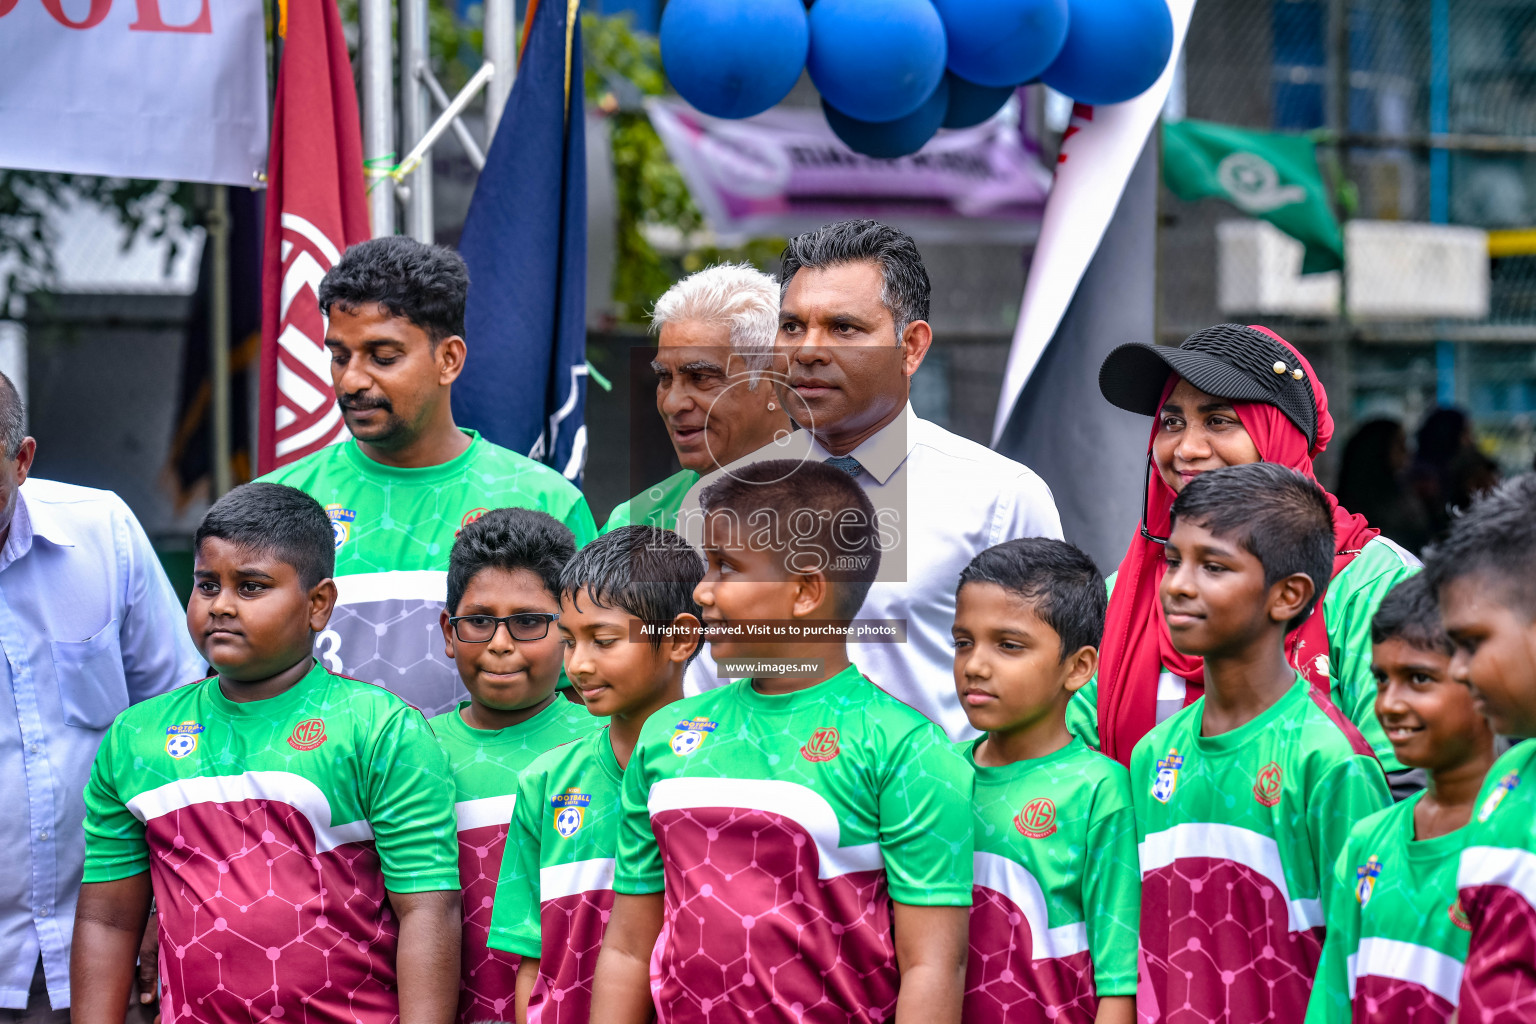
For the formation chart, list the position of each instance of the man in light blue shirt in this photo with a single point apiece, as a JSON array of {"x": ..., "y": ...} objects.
[{"x": 89, "y": 624}]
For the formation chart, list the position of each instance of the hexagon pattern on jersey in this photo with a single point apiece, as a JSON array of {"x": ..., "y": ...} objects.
[
  {"x": 1226, "y": 954},
  {"x": 489, "y": 976},
  {"x": 1004, "y": 984},
  {"x": 752, "y": 928},
  {"x": 574, "y": 924},
  {"x": 1401, "y": 1002},
  {"x": 256, "y": 926},
  {"x": 1499, "y": 985},
  {"x": 397, "y": 645}
]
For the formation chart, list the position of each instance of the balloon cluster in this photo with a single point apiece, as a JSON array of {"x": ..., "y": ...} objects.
[{"x": 892, "y": 72}]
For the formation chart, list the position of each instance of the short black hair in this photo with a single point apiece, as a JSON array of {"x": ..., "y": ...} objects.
[
  {"x": 1411, "y": 614},
  {"x": 425, "y": 284},
  {"x": 1274, "y": 513},
  {"x": 276, "y": 520},
  {"x": 905, "y": 290},
  {"x": 510, "y": 539},
  {"x": 648, "y": 572},
  {"x": 1057, "y": 579},
  {"x": 13, "y": 418},
  {"x": 819, "y": 520},
  {"x": 1495, "y": 537}
]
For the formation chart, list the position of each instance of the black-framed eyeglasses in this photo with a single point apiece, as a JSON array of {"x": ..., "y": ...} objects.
[
  {"x": 479, "y": 629},
  {"x": 1146, "y": 486}
]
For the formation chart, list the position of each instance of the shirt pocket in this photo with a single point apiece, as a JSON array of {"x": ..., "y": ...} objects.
[{"x": 89, "y": 673}]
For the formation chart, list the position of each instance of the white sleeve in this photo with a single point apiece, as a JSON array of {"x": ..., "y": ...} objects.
[{"x": 1027, "y": 509}]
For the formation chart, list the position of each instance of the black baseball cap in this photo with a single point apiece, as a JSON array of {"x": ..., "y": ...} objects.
[{"x": 1228, "y": 360}]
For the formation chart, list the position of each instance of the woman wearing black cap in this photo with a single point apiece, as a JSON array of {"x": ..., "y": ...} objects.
[{"x": 1229, "y": 395}]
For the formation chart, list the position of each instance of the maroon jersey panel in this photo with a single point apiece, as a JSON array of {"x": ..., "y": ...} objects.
[
  {"x": 1381, "y": 1000},
  {"x": 575, "y": 924},
  {"x": 1005, "y": 985},
  {"x": 1499, "y": 984},
  {"x": 489, "y": 977}
]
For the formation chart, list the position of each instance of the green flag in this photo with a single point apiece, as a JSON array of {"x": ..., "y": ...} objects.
[{"x": 1265, "y": 174}]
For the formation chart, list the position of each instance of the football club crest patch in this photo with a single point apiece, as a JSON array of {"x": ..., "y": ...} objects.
[
  {"x": 1038, "y": 818},
  {"x": 1458, "y": 916},
  {"x": 570, "y": 811},
  {"x": 308, "y": 734},
  {"x": 1495, "y": 798},
  {"x": 1365, "y": 879},
  {"x": 341, "y": 523},
  {"x": 690, "y": 735},
  {"x": 1167, "y": 778},
  {"x": 822, "y": 746},
  {"x": 469, "y": 517},
  {"x": 181, "y": 740},
  {"x": 1267, "y": 788}
]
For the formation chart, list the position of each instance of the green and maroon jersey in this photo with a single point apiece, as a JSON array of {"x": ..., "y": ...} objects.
[
  {"x": 271, "y": 830},
  {"x": 486, "y": 764},
  {"x": 781, "y": 828},
  {"x": 1237, "y": 834},
  {"x": 1349, "y": 604},
  {"x": 1397, "y": 938},
  {"x": 556, "y": 887},
  {"x": 1497, "y": 882},
  {"x": 1054, "y": 924},
  {"x": 394, "y": 531}
]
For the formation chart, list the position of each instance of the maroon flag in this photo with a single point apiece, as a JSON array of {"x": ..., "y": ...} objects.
[{"x": 317, "y": 205}]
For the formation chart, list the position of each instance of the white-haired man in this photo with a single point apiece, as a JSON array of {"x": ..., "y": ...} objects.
[{"x": 715, "y": 336}]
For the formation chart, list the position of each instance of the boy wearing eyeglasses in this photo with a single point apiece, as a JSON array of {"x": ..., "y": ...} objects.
[{"x": 499, "y": 628}]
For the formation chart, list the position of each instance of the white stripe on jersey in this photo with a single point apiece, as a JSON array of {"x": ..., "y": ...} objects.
[
  {"x": 280, "y": 787},
  {"x": 1407, "y": 961},
  {"x": 1498, "y": 865},
  {"x": 1211, "y": 841},
  {"x": 1013, "y": 880},
  {"x": 401, "y": 585},
  {"x": 574, "y": 878},
  {"x": 800, "y": 804},
  {"x": 490, "y": 810}
]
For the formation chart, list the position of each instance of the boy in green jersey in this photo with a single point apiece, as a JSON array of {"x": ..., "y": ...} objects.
[
  {"x": 1396, "y": 937},
  {"x": 1484, "y": 574},
  {"x": 1058, "y": 893},
  {"x": 800, "y": 840},
  {"x": 294, "y": 827},
  {"x": 1244, "y": 799},
  {"x": 503, "y": 600},
  {"x": 556, "y": 887}
]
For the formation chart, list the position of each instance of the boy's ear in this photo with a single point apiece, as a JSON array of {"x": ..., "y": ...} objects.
[
  {"x": 322, "y": 601},
  {"x": 447, "y": 628},
  {"x": 1082, "y": 665},
  {"x": 684, "y": 640},
  {"x": 812, "y": 590},
  {"x": 1289, "y": 596}
]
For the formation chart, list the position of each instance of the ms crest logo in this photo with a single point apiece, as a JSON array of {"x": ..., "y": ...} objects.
[
  {"x": 308, "y": 734},
  {"x": 1038, "y": 819},
  {"x": 570, "y": 811},
  {"x": 822, "y": 746},
  {"x": 469, "y": 517},
  {"x": 1267, "y": 789}
]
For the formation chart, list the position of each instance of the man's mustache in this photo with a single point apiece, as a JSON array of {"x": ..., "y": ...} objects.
[{"x": 361, "y": 402}]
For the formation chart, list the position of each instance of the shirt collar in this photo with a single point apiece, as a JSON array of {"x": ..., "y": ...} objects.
[
  {"x": 882, "y": 453},
  {"x": 39, "y": 519}
]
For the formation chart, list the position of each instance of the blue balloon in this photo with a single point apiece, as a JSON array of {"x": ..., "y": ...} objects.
[
  {"x": 1115, "y": 50},
  {"x": 1002, "y": 42},
  {"x": 876, "y": 60},
  {"x": 970, "y": 103},
  {"x": 733, "y": 59},
  {"x": 887, "y": 140}
]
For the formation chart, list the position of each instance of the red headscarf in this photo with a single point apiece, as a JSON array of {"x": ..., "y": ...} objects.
[{"x": 1136, "y": 642}]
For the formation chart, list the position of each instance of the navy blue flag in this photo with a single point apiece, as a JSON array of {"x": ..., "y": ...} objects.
[{"x": 525, "y": 240}]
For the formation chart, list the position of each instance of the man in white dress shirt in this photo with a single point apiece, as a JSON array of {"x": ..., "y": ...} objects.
[
  {"x": 88, "y": 625},
  {"x": 853, "y": 324}
]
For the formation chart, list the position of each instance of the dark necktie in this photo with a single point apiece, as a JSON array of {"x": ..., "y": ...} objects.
[{"x": 847, "y": 463}]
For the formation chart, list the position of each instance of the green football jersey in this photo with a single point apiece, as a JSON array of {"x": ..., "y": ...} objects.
[
  {"x": 780, "y": 829},
  {"x": 655, "y": 506},
  {"x": 1397, "y": 938},
  {"x": 556, "y": 887},
  {"x": 1054, "y": 925},
  {"x": 1496, "y": 882},
  {"x": 486, "y": 763},
  {"x": 1237, "y": 834},
  {"x": 1348, "y": 607},
  {"x": 271, "y": 830},
  {"x": 394, "y": 530}
]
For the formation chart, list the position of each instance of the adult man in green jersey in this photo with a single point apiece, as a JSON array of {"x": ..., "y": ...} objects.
[
  {"x": 714, "y": 381},
  {"x": 409, "y": 478}
]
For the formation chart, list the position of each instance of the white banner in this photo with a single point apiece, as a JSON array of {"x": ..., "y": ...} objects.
[{"x": 173, "y": 89}]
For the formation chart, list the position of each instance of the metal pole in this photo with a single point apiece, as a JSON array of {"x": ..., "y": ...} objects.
[
  {"x": 378, "y": 59},
  {"x": 1440, "y": 169},
  {"x": 218, "y": 342},
  {"x": 501, "y": 51},
  {"x": 415, "y": 115},
  {"x": 1341, "y": 351}
]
